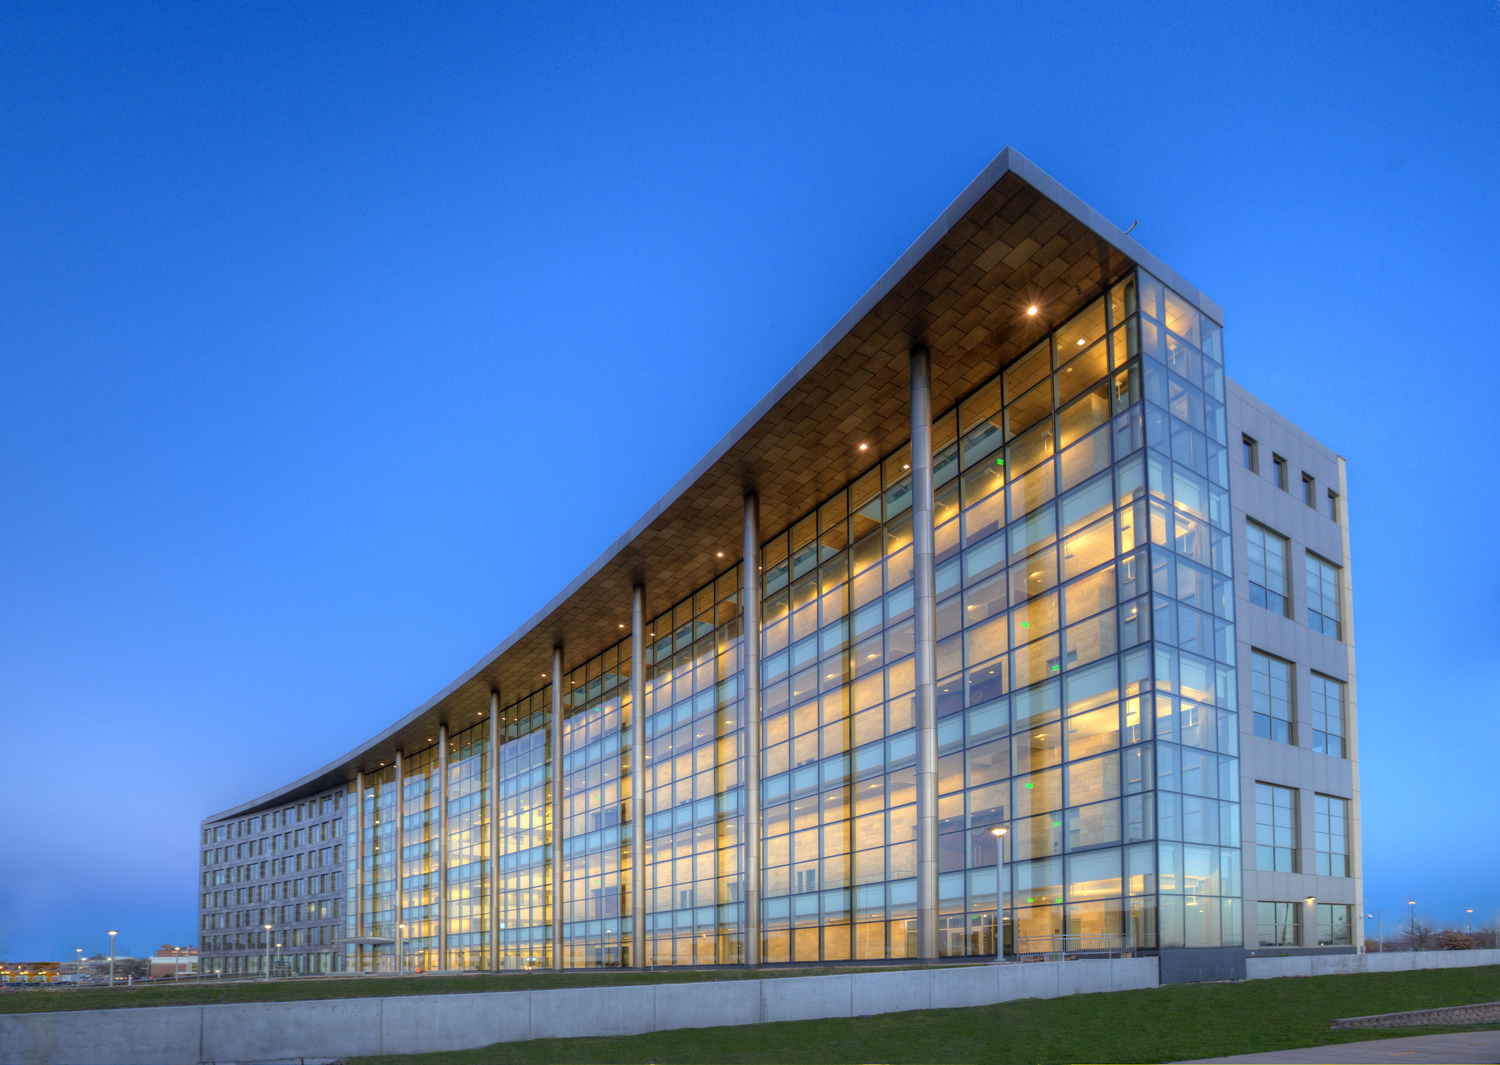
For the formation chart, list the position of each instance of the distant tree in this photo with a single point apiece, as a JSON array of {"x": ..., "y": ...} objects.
[
  {"x": 1372, "y": 946},
  {"x": 1454, "y": 939},
  {"x": 1415, "y": 935}
]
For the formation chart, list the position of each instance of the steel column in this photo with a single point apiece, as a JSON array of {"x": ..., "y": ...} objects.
[
  {"x": 493, "y": 850},
  {"x": 554, "y": 759},
  {"x": 637, "y": 776},
  {"x": 750, "y": 664},
  {"x": 924, "y": 585},
  {"x": 442, "y": 950},
  {"x": 400, "y": 856},
  {"x": 358, "y": 821}
]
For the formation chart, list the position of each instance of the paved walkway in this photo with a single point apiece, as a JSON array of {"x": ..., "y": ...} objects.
[{"x": 1469, "y": 1048}]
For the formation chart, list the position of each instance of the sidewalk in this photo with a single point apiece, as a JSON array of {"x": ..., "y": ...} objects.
[{"x": 1468, "y": 1048}]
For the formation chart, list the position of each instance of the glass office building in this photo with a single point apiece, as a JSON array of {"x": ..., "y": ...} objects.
[{"x": 943, "y": 647}]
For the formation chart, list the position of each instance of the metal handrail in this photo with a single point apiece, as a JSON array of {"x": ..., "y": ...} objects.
[{"x": 1075, "y": 943}]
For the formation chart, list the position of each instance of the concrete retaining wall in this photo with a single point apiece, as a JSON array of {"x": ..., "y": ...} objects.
[
  {"x": 1479, "y": 1013},
  {"x": 336, "y": 1028},
  {"x": 1328, "y": 964}
]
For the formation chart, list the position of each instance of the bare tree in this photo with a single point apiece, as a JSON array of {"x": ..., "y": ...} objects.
[{"x": 1415, "y": 935}]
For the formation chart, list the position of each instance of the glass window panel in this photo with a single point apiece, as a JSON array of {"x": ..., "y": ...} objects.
[
  {"x": 1083, "y": 417},
  {"x": 1271, "y": 698},
  {"x": 1031, "y": 368},
  {"x": 1081, "y": 331},
  {"x": 1087, "y": 369},
  {"x": 1088, "y": 548},
  {"x": 1093, "y": 779},
  {"x": 1094, "y": 731}
]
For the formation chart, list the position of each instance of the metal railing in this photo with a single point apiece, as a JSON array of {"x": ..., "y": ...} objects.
[{"x": 1058, "y": 946}]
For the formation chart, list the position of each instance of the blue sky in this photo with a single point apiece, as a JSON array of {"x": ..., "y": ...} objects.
[{"x": 314, "y": 319}]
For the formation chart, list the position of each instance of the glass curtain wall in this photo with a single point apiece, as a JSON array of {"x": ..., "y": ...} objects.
[
  {"x": 1192, "y": 607},
  {"x": 378, "y": 877},
  {"x": 468, "y": 911},
  {"x": 420, "y": 850},
  {"x": 1045, "y": 672},
  {"x": 694, "y": 793},
  {"x": 1085, "y": 700},
  {"x": 595, "y": 834},
  {"x": 521, "y": 828},
  {"x": 838, "y": 787}
]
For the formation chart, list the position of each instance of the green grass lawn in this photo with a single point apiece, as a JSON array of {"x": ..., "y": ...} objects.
[
  {"x": 1166, "y": 1024},
  {"x": 208, "y": 992}
]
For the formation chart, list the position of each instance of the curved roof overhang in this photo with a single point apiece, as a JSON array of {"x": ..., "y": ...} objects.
[{"x": 1013, "y": 238}]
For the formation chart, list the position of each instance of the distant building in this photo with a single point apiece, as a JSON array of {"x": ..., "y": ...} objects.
[
  {"x": 30, "y": 972},
  {"x": 170, "y": 961},
  {"x": 1005, "y": 556}
]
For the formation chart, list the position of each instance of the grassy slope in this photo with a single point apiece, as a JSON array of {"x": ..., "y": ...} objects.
[
  {"x": 1167, "y": 1024},
  {"x": 48, "y": 999}
]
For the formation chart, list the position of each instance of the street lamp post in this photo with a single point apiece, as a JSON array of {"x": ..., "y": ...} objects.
[
  {"x": 1470, "y": 912},
  {"x": 1413, "y": 904},
  {"x": 112, "y": 935},
  {"x": 999, "y": 834},
  {"x": 401, "y": 949},
  {"x": 78, "y": 972},
  {"x": 268, "y": 952}
]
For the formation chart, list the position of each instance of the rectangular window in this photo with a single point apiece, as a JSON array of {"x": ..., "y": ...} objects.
[
  {"x": 1331, "y": 825},
  {"x": 1275, "y": 828},
  {"x": 1310, "y": 490},
  {"x": 1323, "y": 614},
  {"x": 1269, "y": 571},
  {"x": 1334, "y": 925},
  {"x": 1278, "y": 924},
  {"x": 1281, "y": 475},
  {"x": 1333, "y": 504},
  {"x": 1251, "y": 454},
  {"x": 1271, "y": 698},
  {"x": 1327, "y": 712}
]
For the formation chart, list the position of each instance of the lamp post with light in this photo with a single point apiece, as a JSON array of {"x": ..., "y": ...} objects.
[
  {"x": 999, "y": 834},
  {"x": 268, "y": 951},
  {"x": 112, "y": 935},
  {"x": 1413, "y": 904},
  {"x": 1470, "y": 912},
  {"x": 79, "y": 970}
]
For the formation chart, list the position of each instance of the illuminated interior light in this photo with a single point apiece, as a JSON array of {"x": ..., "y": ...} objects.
[
  {"x": 864, "y": 447},
  {"x": 1080, "y": 342},
  {"x": 1031, "y": 310}
]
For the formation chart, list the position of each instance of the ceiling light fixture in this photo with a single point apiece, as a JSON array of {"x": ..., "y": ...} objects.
[
  {"x": 1031, "y": 311},
  {"x": 864, "y": 447}
]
